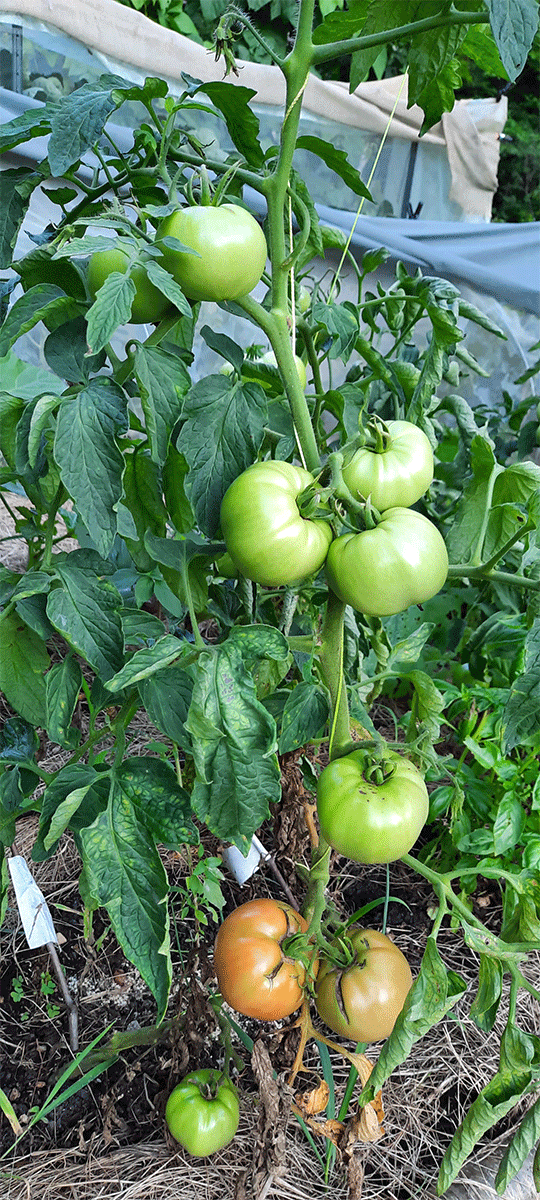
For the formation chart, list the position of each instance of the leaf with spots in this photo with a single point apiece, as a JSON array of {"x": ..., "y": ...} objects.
[
  {"x": 234, "y": 748},
  {"x": 123, "y": 867}
]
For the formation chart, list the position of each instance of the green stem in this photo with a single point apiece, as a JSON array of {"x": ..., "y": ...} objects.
[
  {"x": 476, "y": 560},
  {"x": 331, "y": 50},
  {"x": 278, "y": 334},
  {"x": 331, "y": 666},
  {"x": 463, "y": 571}
]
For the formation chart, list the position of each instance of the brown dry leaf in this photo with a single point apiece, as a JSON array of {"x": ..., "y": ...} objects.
[
  {"x": 331, "y": 1129},
  {"x": 270, "y": 1150},
  {"x": 355, "y": 1178},
  {"x": 365, "y": 1126},
  {"x": 314, "y": 1101}
]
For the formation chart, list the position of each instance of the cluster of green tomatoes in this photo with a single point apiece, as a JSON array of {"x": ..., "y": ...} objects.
[{"x": 372, "y": 812}]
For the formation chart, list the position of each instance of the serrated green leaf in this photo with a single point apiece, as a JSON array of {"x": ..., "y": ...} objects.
[
  {"x": 242, "y": 122},
  {"x": 88, "y": 456},
  {"x": 513, "y": 24},
  {"x": 18, "y": 741},
  {"x": 23, "y": 662},
  {"x": 304, "y": 716},
  {"x": 337, "y": 161},
  {"x": 166, "y": 697},
  {"x": 498, "y": 1098},
  {"x": 523, "y": 1142},
  {"x": 485, "y": 1005},
  {"x": 234, "y": 744},
  {"x": 147, "y": 661},
  {"x": 78, "y": 122},
  {"x": 16, "y": 186},
  {"x": 63, "y": 683},
  {"x": 86, "y": 611},
  {"x": 44, "y": 302},
  {"x": 221, "y": 435},
  {"x": 163, "y": 381}
]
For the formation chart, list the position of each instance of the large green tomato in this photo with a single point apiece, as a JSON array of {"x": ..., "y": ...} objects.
[
  {"x": 396, "y": 476},
  {"x": 371, "y": 822},
  {"x": 265, "y": 534},
  {"x": 202, "y": 1112},
  {"x": 255, "y": 974},
  {"x": 149, "y": 304},
  {"x": 381, "y": 571},
  {"x": 363, "y": 999},
  {"x": 230, "y": 248}
]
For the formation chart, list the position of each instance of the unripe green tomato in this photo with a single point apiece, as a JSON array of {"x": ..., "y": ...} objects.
[
  {"x": 381, "y": 571},
  {"x": 396, "y": 476},
  {"x": 263, "y": 529},
  {"x": 270, "y": 360},
  {"x": 366, "y": 821},
  {"x": 149, "y": 304},
  {"x": 362, "y": 1001},
  {"x": 202, "y": 1112},
  {"x": 230, "y": 251},
  {"x": 304, "y": 299}
]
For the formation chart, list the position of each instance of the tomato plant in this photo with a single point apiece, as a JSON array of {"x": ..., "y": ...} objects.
[
  {"x": 362, "y": 996},
  {"x": 264, "y": 532},
  {"x": 256, "y": 974},
  {"x": 152, "y": 464},
  {"x": 149, "y": 304},
  {"x": 380, "y": 571},
  {"x": 395, "y": 473},
  {"x": 202, "y": 1112},
  {"x": 371, "y": 816},
  {"x": 228, "y": 251}
]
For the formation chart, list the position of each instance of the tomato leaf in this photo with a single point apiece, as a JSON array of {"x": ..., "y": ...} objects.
[
  {"x": 16, "y": 187},
  {"x": 485, "y": 1005},
  {"x": 23, "y": 662},
  {"x": 514, "y": 24},
  {"x": 234, "y": 744},
  {"x": 63, "y": 683},
  {"x": 221, "y": 435},
  {"x": 88, "y": 456},
  {"x": 521, "y": 717},
  {"x": 434, "y": 992},
  {"x": 85, "y": 610},
  {"x": 148, "y": 660},
  {"x": 76, "y": 123},
  {"x": 523, "y": 1142},
  {"x": 124, "y": 870},
  {"x": 499, "y": 1096},
  {"x": 304, "y": 716},
  {"x": 163, "y": 380},
  {"x": 18, "y": 741},
  {"x": 337, "y": 161},
  {"x": 166, "y": 696},
  {"x": 43, "y": 302},
  {"x": 242, "y": 123}
]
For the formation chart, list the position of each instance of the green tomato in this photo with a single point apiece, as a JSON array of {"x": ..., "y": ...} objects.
[
  {"x": 381, "y": 571},
  {"x": 149, "y": 304},
  {"x": 396, "y": 476},
  {"x": 363, "y": 998},
  {"x": 270, "y": 360},
  {"x": 202, "y": 1112},
  {"x": 230, "y": 251},
  {"x": 371, "y": 822},
  {"x": 264, "y": 532},
  {"x": 304, "y": 299}
]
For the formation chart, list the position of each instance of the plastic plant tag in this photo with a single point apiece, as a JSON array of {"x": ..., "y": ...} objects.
[
  {"x": 35, "y": 916},
  {"x": 244, "y": 867}
]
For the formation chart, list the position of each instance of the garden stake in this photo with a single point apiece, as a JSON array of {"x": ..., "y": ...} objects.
[{"x": 39, "y": 931}]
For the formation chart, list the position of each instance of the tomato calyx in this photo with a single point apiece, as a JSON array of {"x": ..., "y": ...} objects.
[{"x": 378, "y": 436}]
